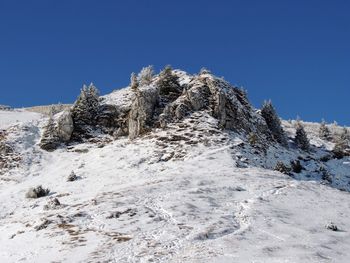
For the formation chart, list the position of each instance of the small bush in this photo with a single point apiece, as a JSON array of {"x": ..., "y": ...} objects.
[
  {"x": 252, "y": 139},
  {"x": 37, "y": 192},
  {"x": 331, "y": 226},
  {"x": 53, "y": 203},
  {"x": 326, "y": 176},
  {"x": 324, "y": 131},
  {"x": 296, "y": 166},
  {"x": 145, "y": 76},
  {"x": 168, "y": 82},
  {"x": 282, "y": 168},
  {"x": 72, "y": 177},
  {"x": 133, "y": 81},
  {"x": 43, "y": 225},
  {"x": 342, "y": 148},
  {"x": 326, "y": 158}
]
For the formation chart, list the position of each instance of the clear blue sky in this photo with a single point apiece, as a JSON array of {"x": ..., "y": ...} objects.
[{"x": 295, "y": 52}]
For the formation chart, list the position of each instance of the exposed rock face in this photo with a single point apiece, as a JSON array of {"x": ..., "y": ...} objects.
[
  {"x": 223, "y": 101},
  {"x": 142, "y": 110},
  {"x": 169, "y": 99},
  {"x": 107, "y": 117}
]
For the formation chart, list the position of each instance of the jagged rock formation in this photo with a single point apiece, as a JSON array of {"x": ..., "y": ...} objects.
[
  {"x": 142, "y": 110},
  {"x": 168, "y": 101},
  {"x": 156, "y": 101}
]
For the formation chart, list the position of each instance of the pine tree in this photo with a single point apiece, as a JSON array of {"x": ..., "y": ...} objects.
[
  {"x": 146, "y": 75},
  {"x": 168, "y": 82},
  {"x": 268, "y": 112},
  {"x": 50, "y": 139},
  {"x": 301, "y": 139},
  {"x": 341, "y": 147},
  {"x": 345, "y": 134},
  {"x": 85, "y": 109},
  {"x": 324, "y": 131}
]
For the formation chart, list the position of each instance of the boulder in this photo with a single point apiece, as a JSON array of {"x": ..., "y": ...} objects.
[{"x": 65, "y": 125}]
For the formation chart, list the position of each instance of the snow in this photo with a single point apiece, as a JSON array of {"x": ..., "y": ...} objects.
[
  {"x": 119, "y": 97},
  {"x": 8, "y": 118},
  {"x": 132, "y": 204}
]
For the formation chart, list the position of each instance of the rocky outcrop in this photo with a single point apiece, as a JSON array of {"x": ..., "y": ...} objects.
[
  {"x": 144, "y": 102},
  {"x": 107, "y": 117},
  {"x": 226, "y": 103},
  {"x": 168, "y": 98}
]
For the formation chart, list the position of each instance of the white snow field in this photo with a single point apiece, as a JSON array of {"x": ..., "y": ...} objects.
[
  {"x": 132, "y": 204},
  {"x": 8, "y": 118}
]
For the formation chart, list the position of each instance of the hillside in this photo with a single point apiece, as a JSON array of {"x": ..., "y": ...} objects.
[{"x": 177, "y": 168}]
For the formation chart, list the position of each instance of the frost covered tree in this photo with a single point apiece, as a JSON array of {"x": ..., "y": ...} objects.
[
  {"x": 274, "y": 123},
  {"x": 85, "y": 109},
  {"x": 324, "y": 131},
  {"x": 204, "y": 71},
  {"x": 345, "y": 134},
  {"x": 50, "y": 139},
  {"x": 168, "y": 82},
  {"x": 301, "y": 139},
  {"x": 146, "y": 75},
  {"x": 134, "y": 84},
  {"x": 342, "y": 144}
]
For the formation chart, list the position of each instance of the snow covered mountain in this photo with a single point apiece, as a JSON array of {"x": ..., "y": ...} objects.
[{"x": 173, "y": 168}]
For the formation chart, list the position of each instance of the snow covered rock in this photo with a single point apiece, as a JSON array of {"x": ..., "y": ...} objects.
[
  {"x": 37, "y": 192},
  {"x": 225, "y": 102},
  {"x": 331, "y": 226},
  {"x": 65, "y": 125},
  {"x": 164, "y": 99}
]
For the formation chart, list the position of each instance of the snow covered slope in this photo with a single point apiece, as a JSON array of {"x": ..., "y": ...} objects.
[
  {"x": 8, "y": 118},
  {"x": 131, "y": 204}
]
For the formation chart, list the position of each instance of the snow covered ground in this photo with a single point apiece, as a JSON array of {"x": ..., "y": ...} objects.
[
  {"x": 8, "y": 118},
  {"x": 132, "y": 202}
]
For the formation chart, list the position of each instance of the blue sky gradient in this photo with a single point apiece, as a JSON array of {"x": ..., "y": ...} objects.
[{"x": 296, "y": 53}]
